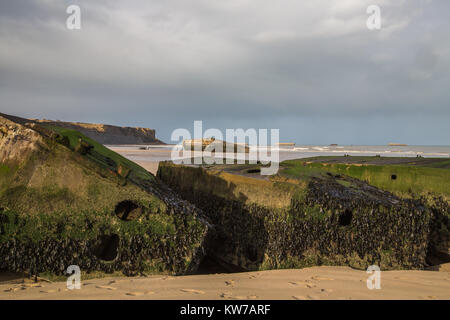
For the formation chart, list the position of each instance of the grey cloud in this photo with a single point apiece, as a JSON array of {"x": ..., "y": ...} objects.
[{"x": 222, "y": 61}]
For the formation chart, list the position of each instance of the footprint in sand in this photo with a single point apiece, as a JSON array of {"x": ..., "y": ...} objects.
[
  {"x": 229, "y": 283},
  {"x": 244, "y": 297},
  {"x": 303, "y": 284},
  {"x": 326, "y": 290},
  {"x": 317, "y": 278},
  {"x": 135, "y": 294},
  {"x": 48, "y": 291},
  {"x": 106, "y": 287},
  {"x": 304, "y": 297},
  {"x": 400, "y": 278},
  {"x": 193, "y": 291},
  {"x": 32, "y": 285},
  {"x": 228, "y": 295}
]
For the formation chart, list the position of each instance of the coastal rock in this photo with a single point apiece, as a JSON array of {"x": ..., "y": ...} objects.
[
  {"x": 304, "y": 217},
  {"x": 102, "y": 133},
  {"x": 68, "y": 200},
  {"x": 108, "y": 134}
]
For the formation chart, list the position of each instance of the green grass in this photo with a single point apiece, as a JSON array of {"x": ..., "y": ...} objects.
[
  {"x": 296, "y": 169},
  {"x": 410, "y": 179},
  {"x": 344, "y": 183},
  {"x": 445, "y": 164},
  {"x": 4, "y": 169},
  {"x": 62, "y": 180},
  {"x": 359, "y": 158},
  {"x": 375, "y": 160},
  {"x": 100, "y": 154}
]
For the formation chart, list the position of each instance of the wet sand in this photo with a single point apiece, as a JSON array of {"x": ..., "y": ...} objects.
[{"x": 315, "y": 283}]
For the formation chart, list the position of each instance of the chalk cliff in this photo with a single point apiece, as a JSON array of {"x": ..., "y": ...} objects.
[{"x": 108, "y": 134}]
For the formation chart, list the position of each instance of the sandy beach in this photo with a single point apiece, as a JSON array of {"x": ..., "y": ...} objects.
[
  {"x": 152, "y": 156},
  {"x": 317, "y": 283},
  {"x": 149, "y": 166}
]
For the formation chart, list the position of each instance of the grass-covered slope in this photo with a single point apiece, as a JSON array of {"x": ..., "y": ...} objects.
[
  {"x": 102, "y": 155},
  {"x": 51, "y": 175},
  {"x": 402, "y": 176},
  {"x": 308, "y": 215},
  {"x": 65, "y": 199}
]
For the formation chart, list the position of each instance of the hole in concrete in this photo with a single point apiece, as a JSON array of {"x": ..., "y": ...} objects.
[
  {"x": 128, "y": 210},
  {"x": 218, "y": 258},
  {"x": 252, "y": 253},
  {"x": 435, "y": 258},
  {"x": 107, "y": 247},
  {"x": 394, "y": 177},
  {"x": 210, "y": 265},
  {"x": 254, "y": 171},
  {"x": 345, "y": 218}
]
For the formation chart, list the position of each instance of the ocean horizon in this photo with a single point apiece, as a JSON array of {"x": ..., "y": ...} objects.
[{"x": 156, "y": 153}]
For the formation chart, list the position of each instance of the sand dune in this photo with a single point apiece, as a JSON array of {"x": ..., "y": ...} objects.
[{"x": 315, "y": 283}]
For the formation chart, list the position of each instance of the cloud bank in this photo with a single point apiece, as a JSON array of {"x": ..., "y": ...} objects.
[{"x": 310, "y": 68}]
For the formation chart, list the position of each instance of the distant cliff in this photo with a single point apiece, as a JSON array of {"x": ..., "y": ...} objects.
[{"x": 108, "y": 134}]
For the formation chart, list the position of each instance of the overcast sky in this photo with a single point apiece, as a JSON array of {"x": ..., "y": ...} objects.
[{"x": 310, "y": 68}]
